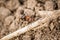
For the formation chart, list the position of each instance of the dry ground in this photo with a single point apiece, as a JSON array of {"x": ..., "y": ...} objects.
[{"x": 15, "y": 14}]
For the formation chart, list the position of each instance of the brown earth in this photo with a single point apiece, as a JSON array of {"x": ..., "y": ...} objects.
[{"x": 15, "y": 14}]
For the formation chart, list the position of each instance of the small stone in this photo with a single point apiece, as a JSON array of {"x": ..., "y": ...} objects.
[
  {"x": 26, "y": 37},
  {"x": 51, "y": 26},
  {"x": 4, "y": 12},
  {"x": 8, "y": 20},
  {"x": 28, "y": 12},
  {"x": 12, "y": 4},
  {"x": 49, "y": 5},
  {"x": 31, "y": 4}
]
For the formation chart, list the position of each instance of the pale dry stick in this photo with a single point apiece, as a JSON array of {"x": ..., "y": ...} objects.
[
  {"x": 33, "y": 25},
  {"x": 23, "y": 30},
  {"x": 51, "y": 14},
  {"x": 40, "y": 26}
]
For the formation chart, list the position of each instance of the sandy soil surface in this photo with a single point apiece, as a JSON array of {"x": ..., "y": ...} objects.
[{"x": 15, "y": 14}]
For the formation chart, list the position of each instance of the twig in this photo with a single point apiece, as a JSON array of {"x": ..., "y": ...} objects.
[
  {"x": 33, "y": 25},
  {"x": 23, "y": 30}
]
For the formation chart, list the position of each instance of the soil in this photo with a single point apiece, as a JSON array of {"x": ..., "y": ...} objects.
[{"x": 15, "y": 14}]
